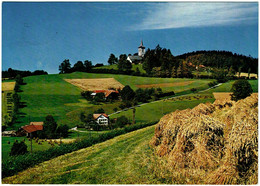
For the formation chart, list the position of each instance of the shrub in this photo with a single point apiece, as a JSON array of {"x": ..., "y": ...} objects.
[
  {"x": 18, "y": 148},
  {"x": 193, "y": 90},
  {"x": 241, "y": 89}
]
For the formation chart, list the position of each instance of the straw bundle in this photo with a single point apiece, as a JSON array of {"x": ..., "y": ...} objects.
[{"x": 219, "y": 139}]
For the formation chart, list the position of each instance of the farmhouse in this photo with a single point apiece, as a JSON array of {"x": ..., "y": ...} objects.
[
  {"x": 139, "y": 57},
  {"x": 101, "y": 119},
  {"x": 109, "y": 94},
  {"x": 30, "y": 129}
]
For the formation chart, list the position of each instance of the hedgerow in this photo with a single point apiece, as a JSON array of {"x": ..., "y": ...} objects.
[{"x": 15, "y": 164}]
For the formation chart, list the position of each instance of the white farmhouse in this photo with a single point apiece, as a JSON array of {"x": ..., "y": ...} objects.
[{"x": 101, "y": 119}]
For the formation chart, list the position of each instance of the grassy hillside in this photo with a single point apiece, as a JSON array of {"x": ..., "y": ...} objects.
[
  {"x": 50, "y": 94},
  {"x": 134, "y": 67},
  {"x": 126, "y": 164}
]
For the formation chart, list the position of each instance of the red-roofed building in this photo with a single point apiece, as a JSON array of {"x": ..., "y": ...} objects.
[
  {"x": 30, "y": 129},
  {"x": 101, "y": 119},
  {"x": 109, "y": 94}
]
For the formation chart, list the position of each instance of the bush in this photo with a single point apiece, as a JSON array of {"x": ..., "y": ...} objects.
[
  {"x": 241, "y": 89},
  {"x": 121, "y": 121},
  {"x": 18, "y": 148},
  {"x": 193, "y": 90}
]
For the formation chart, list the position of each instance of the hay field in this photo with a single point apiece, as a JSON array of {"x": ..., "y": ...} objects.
[
  {"x": 209, "y": 144},
  {"x": 8, "y": 86},
  {"x": 165, "y": 84},
  {"x": 225, "y": 95},
  {"x": 96, "y": 84},
  {"x": 246, "y": 75}
]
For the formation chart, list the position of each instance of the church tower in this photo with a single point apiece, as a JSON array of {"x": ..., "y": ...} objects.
[{"x": 141, "y": 50}]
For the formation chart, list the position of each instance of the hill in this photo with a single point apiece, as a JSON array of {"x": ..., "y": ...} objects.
[
  {"x": 232, "y": 158},
  {"x": 221, "y": 59},
  {"x": 51, "y": 94}
]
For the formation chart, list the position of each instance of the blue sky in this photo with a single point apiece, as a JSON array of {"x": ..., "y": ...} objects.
[{"x": 41, "y": 35}]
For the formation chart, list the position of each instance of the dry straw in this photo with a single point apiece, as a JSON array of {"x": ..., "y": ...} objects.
[{"x": 211, "y": 143}]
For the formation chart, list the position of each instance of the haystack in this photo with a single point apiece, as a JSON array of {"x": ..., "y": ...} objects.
[{"x": 219, "y": 139}]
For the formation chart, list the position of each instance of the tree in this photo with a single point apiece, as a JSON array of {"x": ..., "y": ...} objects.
[
  {"x": 49, "y": 127},
  {"x": 78, "y": 67},
  {"x": 99, "y": 111},
  {"x": 174, "y": 73},
  {"x": 18, "y": 148},
  {"x": 63, "y": 131},
  {"x": 88, "y": 65},
  {"x": 123, "y": 63},
  {"x": 112, "y": 59},
  {"x": 127, "y": 94},
  {"x": 179, "y": 71},
  {"x": 19, "y": 79},
  {"x": 241, "y": 89},
  {"x": 65, "y": 67},
  {"x": 121, "y": 121}
]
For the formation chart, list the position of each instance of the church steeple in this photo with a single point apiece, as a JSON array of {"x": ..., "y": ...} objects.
[{"x": 141, "y": 49}]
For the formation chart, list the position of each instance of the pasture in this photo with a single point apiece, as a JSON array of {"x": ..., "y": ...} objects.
[
  {"x": 127, "y": 155},
  {"x": 7, "y": 143},
  {"x": 51, "y": 94}
]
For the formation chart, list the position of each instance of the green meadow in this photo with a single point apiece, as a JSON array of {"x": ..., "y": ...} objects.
[
  {"x": 50, "y": 94},
  {"x": 121, "y": 160}
]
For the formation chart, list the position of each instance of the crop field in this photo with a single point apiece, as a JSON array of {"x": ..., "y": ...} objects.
[
  {"x": 8, "y": 86},
  {"x": 96, "y": 84},
  {"x": 50, "y": 94},
  {"x": 165, "y": 84},
  {"x": 7, "y": 106},
  {"x": 246, "y": 75}
]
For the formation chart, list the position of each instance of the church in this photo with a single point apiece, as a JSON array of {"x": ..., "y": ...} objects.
[{"x": 139, "y": 56}]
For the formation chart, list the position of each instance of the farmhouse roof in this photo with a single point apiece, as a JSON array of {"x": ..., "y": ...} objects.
[
  {"x": 32, "y": 128},
  {"x": 36, "y": 123},
  {"x": 106, "y": 92},
  {"x": 96, "y": 116}
]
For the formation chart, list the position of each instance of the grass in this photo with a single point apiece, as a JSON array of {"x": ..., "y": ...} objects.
[
  {"x": 154, "y": 111},
  {"x": 50, "y": 94},
  {"x": 91, "y": 166},
  {"x": 226, "y": 87},
  {"x": 134, "y": 67},
  {"x": 6, "y": 148}
]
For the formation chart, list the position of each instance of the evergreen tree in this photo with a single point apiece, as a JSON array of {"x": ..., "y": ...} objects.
[
  {"x": 49, "y": 127},
  {"x": 179, "y": 71},
  {"x": 173, "y": 73}
]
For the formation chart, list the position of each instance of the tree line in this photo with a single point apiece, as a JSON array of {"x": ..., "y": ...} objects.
[
  {"x": 12, "y": 73},
  {"x": 222, "y": 59}
]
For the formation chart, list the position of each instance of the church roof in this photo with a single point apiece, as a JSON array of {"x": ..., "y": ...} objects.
[
  {"x": 134, "y": 58},
  {"x": 141, "y": 45}
]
